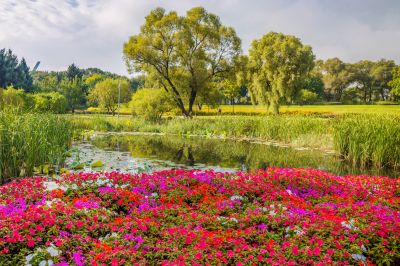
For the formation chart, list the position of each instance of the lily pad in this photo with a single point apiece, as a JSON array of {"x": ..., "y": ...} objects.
[
  {"x": 97, "y": 164},
  {"x": 77, "y": 166}
]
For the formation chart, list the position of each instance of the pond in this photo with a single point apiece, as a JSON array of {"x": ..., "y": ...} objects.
[{"x": 134, "y": 153}]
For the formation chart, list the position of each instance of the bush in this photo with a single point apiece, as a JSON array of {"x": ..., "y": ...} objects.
[
  {"x": 307, "y": 97},
  {"x": 151, "y": 103},
  {"x": 14, "y": 98},
  {"x": 53, "y": 102}
]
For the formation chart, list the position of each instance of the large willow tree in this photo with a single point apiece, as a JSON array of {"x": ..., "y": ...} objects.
[
  {"x": 184, "y": 54},
  {"x": 278, "y": 65}
]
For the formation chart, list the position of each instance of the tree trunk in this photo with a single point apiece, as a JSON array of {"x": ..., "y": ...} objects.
[
  {"x": 365, "y": 95},
  {"x": 192, "y": 98},
  {"x": 275, "y": 108},
  {"x": 382, "y": 93}
]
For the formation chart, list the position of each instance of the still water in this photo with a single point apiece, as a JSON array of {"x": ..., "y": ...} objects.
[{"x": 148, "y": 153}]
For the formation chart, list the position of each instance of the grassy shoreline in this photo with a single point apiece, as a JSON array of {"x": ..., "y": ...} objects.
[
  {"x": 30, "y": 141},
  {"x": 362, "y": 139},
  {"x": 297, "y": 131}
]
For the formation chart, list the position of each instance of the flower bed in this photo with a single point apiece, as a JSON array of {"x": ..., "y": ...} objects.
[{"x": 277, "y": 216}]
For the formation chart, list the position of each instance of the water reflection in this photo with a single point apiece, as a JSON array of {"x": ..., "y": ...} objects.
[{"x": 194, "y": 152}]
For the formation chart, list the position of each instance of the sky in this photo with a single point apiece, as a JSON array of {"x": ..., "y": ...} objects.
[{"x": 91, "y": 33}]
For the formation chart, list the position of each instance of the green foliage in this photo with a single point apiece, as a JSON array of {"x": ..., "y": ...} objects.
[
  {"x": 183, "y": 54},
  {"x": 14, "y": 98},
  {"x": 151, "y": 103},
  {"x": 73, "y": 72},
  {"x": 395, "y": 83},
  {"x": 315, "y": 84},
  {"x": 294, "y": 129},
  {"x": 46, "y": 82},
  {"x": 361, "y": 74},
  {"x": 105, "y": 94},
  {"x": 278, "y": 65},
  {"x": 307, "y": 97},
  {"x": 92, "y": 80},
  {"x": 13, "y": 73},
  {"x": 369, "y": 139},
  {"x": 73, "y": 90},
  {"x": 336, "y": 78},
  {"x": 53, "y": 102},
  {"x": 382, "y": 74},
  {"x": 31, "y": 140}
]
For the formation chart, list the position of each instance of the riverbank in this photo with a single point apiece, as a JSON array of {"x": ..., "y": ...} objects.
[
  {"x": 359, "y": 138},
  {"x": 294, "y": 130}
]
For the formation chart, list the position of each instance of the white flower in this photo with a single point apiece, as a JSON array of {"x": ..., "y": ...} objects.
[
  {"x": 272, "y": 213},
  {"x": 28, "y": 259},
  {"x": 363, "y": 248},
  {"x": 234, "y": 220},
  {"x": 46, "y": 263},
  {"x": 53, "y": 251},
  {"x": 235, "y": 197},
  {"x": 358, "y": 257},
  {"x": 350, "y": 225}
]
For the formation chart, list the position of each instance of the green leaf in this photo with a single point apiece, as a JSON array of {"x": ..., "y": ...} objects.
[{"x": 97, "y": 164}]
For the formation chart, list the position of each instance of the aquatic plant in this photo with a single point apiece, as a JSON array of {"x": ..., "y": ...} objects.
[
  {"x": 29, "y": 140},
  {"x": 369, "y": 139}
]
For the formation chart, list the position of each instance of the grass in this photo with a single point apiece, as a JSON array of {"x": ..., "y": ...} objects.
[
  {"x": 31, "y": 140},
  {"x": 369, "y": 139},
  {"x": 292, "y": 129},
  {"x": 360, "y": 138}
]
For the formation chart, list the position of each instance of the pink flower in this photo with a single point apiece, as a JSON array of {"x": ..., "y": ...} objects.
[
  {"x": 295, "y": 250},
  {"x": 31, "y": 243}
]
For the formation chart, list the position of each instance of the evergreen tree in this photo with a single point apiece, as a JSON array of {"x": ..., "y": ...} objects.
[
  {"x": 24, "y": 79},
  {"x": 74, "y": 72}
]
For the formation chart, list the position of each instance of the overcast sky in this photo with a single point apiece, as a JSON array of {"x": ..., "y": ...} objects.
[{"x": 91, "y": 33}]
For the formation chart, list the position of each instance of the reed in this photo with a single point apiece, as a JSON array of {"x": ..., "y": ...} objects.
[
  {"x": 311, "y": 131},
  {"x": 31, "y": 140},
  {"x": 369, "y": 139}
]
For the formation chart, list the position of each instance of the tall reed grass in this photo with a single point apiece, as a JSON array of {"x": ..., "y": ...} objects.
[
  {"x": 369, "y": 139},
  {"x": 365, "y": 139},
  {"x": 31, "y": 140},
  {"x": 300, "y": 130}
]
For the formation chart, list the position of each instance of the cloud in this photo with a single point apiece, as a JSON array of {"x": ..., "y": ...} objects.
[{"x": 92, "y": 32}]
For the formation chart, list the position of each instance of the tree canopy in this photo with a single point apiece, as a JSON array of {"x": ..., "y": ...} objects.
[
  {"x": 183, "y": 53},
  {"x": 14, "y": 73},
  {"x": 105, "y": 93},
  {"x": 278, "y": 64}
]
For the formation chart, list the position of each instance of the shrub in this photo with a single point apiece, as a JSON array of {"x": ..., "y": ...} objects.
[
  {"x": 307, "y": 97},
  {"x": 151, "y": 103},
  {"x": 53, "y": 102},
  {"x": 14, "y": 98}
]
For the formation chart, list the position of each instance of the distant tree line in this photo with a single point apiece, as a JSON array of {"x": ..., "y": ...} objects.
[
  {"x": 60, "y": 91},
  {"x": 197, "y": 61}
]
